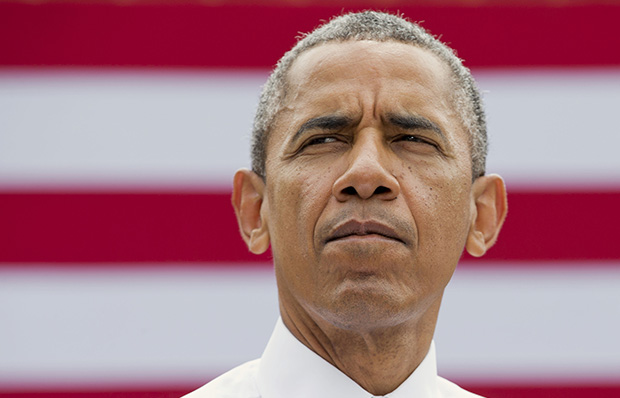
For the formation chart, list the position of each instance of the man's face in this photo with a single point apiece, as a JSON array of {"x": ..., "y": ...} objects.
[{"x": 368, "y": 191}]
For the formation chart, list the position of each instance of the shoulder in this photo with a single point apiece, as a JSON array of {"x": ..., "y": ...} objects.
[
  {"x": 450, "y": 390},
  {"x": 239, "y": 382}
]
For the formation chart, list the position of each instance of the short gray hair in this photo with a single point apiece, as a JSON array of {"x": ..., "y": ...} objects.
[{"x": 376, "y": 26}]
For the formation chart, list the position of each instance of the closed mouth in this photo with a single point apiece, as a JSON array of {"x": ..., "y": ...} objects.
[{"x": 363, "y": 228}]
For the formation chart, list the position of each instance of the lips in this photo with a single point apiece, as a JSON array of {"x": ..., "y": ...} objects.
[{"x": 358, "y": 228}]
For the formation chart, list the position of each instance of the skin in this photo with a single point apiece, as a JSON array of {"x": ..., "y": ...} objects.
[{"x": 368, "y": 203}]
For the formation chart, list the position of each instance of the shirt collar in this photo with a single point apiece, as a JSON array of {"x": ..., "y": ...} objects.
[{"x": 290, "y": 369}]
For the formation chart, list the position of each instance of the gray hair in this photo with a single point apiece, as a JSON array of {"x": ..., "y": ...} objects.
[{"x": 376, "y": 26}]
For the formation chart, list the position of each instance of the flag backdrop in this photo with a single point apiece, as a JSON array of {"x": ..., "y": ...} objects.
[{"x": 121, "y": 124}]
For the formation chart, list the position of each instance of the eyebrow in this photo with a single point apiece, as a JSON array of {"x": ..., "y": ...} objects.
[
  {"x": 414, "y": 122},
  {"x": 330, "y": 122}
]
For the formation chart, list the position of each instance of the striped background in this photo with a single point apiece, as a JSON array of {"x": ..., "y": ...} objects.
[{"x": 121, "y": 269}]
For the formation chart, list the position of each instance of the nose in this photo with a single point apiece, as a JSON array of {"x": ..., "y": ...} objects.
[{"x": 366, "y": 175}]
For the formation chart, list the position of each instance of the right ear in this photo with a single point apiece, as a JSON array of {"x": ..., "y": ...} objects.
[{"x": 248, "y": 201}]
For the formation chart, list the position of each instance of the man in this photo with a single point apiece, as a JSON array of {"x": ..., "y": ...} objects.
[{"x": 368, "y": 181}]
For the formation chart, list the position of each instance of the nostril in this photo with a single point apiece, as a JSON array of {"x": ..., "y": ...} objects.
[
  {"x": 381, "y": 189},
  {"x": 349, "y": 191}
]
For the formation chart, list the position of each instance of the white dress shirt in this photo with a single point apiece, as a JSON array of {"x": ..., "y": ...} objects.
[{"x": 289, "y": 369}]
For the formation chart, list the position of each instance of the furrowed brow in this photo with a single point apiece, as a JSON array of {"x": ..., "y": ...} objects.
[
  {"x": 415, "y": 122},
  {"x": 330, "y": 122}
]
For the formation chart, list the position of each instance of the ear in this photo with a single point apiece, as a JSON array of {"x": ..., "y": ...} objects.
[
  {"x": 250, "y": 209},
  {"x": 491, "y": 205}
]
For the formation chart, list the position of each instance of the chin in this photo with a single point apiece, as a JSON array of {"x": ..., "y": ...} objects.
[{"x": 361, "y": 307}]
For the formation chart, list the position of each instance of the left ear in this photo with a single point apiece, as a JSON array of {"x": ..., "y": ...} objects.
[
  {"x": 491, "y": 206},
  {"x": 249, "y": 202}
]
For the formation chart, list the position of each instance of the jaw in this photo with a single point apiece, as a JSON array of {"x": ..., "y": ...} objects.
[{"x": 360, "y": 301}]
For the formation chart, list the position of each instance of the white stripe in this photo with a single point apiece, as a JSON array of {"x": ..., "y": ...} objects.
[
  {"x": 532, "y": 325},
  {"x": 175, "y": 128},
  {"x": 118, "y": 128},
  {"x": 122, "y": 326},
  {"x": 130, "y": 326},
  {"x": 553, "y": 127}
]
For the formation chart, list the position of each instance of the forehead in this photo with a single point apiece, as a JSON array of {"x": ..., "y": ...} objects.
[
  {"x": 395, "y": 74},
  {"x": 368, "y": 59},
  {"x": 361, "y": 79}
]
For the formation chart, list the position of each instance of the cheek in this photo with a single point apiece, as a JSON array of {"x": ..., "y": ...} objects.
[
  {"x": 454, "y": 216},
  {"x": 297, "y": 198},
  {"x": 440, "y": 206}
]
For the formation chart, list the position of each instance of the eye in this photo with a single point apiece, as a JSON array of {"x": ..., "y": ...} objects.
[
  {"x": 321, "y": 144},
  {"x": 417, "y": 139},
  {"x": 321, "y": 140}
]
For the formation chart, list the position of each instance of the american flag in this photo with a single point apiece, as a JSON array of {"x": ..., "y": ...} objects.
[{"x": 121, "y": 124}]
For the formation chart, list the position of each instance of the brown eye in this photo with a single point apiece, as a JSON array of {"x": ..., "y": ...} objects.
[
  {"x": 417, "y": 139},
  {"x": 322, "y": 144},
  {"x": 321, "y": 140}
]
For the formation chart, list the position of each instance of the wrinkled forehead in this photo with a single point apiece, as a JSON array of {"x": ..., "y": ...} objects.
[
  {"x": 400, "y": 74},
  {"x": 326, "y": 68},
  {"x": 400, "y": 60},
  {"x": 331, "y": 65}
]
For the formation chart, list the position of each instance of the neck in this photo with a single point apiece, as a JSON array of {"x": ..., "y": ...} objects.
[{"x": 378, "y": 359}]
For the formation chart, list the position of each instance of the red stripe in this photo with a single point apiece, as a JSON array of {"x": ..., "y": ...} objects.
[
  {"x": 72, "y": 393},
  {"x": 551, "y": 391},
  {"x": 244, "y": 35},
  {"x": 200, "y": 227},
  {"x": 566, "y": 226},
  {"x": 125, "y": 227},
  {"x": 518, "y": 391}
]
